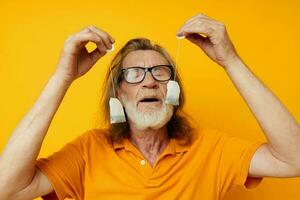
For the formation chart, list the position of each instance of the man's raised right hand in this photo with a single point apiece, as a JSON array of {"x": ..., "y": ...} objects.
[{"x": 75, "y": 60}]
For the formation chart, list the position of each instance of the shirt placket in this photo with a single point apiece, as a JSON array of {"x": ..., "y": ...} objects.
[{"x": 142, "y": 164}]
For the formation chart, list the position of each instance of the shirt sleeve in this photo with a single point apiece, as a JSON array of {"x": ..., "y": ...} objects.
[
  {"x": 65, "y": 170},
  {"x": 235, "y": 161}
]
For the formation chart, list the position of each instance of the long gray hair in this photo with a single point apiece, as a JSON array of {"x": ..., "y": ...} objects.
[{"x": 178, "y": 126}]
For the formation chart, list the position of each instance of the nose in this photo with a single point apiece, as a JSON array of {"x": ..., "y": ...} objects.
[{"x": 149, "y": 81}]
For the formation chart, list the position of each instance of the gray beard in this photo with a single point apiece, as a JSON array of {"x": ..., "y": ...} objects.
[{"x": 152, "y": 118}]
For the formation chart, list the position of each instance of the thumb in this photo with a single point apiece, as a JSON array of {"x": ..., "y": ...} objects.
[
  {"x": 197, "y": 39},
  {"x": 96, "y": 54},
  {"x": 203, "y": 42}
]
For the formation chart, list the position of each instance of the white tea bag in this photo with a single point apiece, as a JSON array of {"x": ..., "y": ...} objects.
[
  {"x": 173, "y": 91},
  {"x": 116, "y": 111}
]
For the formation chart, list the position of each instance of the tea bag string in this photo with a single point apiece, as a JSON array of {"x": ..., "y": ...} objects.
[
  {"x": 177, "y": 57},
  {"x": 110, "y": 72}
]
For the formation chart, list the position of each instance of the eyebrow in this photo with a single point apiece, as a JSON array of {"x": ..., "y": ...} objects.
[{"x": 147, "y": 66}]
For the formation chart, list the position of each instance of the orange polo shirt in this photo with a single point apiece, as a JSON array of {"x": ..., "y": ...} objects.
[{"x": 91, "y": 167}]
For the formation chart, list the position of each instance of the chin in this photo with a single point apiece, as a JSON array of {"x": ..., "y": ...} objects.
[{"x": 149, "y": 117}]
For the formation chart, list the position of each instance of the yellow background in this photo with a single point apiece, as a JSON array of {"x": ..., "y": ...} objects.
[{"x": 265, "y": 33}]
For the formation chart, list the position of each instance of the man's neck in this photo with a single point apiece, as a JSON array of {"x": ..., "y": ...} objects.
[{"x": 150, "y": 142}]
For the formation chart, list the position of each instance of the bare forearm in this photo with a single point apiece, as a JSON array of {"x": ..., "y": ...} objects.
[
  {"x": 17, "y": 164},
  {"x": 279, "y": 126}
]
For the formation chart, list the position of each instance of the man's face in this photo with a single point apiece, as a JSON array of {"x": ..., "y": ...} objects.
[{"x": 144, "y": 102}]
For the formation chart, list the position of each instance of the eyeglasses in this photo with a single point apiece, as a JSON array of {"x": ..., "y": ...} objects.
[{"x": 137, "y": 74}]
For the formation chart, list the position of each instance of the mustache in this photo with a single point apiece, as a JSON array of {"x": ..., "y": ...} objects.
[{"x": 143, "y": 94}]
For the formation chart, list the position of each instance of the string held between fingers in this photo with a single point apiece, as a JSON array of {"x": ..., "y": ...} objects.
[{"x": 110, "y": 50}]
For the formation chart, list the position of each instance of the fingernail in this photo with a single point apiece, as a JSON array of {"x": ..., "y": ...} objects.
[{"x": 110, "y": 50}]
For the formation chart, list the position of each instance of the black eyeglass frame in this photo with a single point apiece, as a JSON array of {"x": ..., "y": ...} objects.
[{"x": 149, "y": 69}]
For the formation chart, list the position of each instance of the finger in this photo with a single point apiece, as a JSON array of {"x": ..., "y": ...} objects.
[
  {"x": 197, "y": 39},
  {"x": 101, "y": 47},
  {"x": 80, "y": 39},
  {"x": 197, "y": 17},
  {"x": 101, "y": 44},
  {"x": 194, "y": 22},
  {"x": 207, "y": 21},
  {"x": 214, "y": 25},
  {"x": 206, "y": 17},
  {"x": 200, "y": 27},
  {"x": 112, "y": 40},
  {"x": 85, "y": 30},
  {"x": 107, "y": 39},
  {"x": 96, "y": 54}
]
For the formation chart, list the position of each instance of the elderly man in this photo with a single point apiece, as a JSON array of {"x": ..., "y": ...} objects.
[{"x": 155, "y": 154}]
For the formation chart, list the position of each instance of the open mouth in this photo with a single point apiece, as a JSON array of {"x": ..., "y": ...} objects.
[{"x": 149, "y": 100}]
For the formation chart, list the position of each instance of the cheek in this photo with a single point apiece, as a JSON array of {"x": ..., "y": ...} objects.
[
  {"x": 129, "y": 92},
  {"x": 163, "y": 89}
]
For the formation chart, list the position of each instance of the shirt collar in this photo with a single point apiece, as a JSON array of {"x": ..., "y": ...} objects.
[{"x": 173, "y": 147}]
